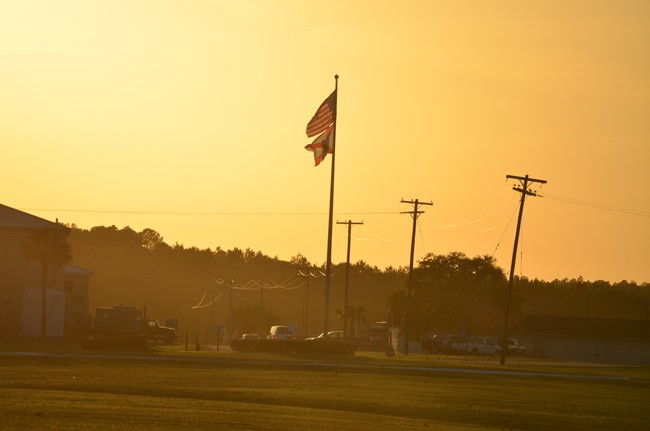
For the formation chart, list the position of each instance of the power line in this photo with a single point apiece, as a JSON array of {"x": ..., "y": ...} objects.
[
  {"x": 607, "y": 207},
  {"x": 514, "y": 211},
  {"x": 311, "y": 274},
  {"x": 290, "y": 283},
  {"x": 201, "y": 305},
  {"x": 422, "y": 238},
  {"x": 202, "y": 213}
]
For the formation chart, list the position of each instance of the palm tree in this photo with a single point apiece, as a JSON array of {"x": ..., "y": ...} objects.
[
  {"x": 48, "y": 247},
  {"x": 356, "y": 314}
]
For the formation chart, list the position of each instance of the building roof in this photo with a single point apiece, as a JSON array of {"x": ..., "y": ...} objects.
[
  {"x": 13, "y": 218},
  {"x": 75, "y": 270},
  {"x": 585, "y": 327}
]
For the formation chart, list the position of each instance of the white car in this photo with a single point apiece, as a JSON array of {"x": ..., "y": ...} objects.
[
  {"x": 482, "y": 346},
  {"x": 331, "y": 335},
  {"x": 280, "y": 332}
]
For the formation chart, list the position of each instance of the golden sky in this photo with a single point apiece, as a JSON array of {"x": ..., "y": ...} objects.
[{"x": 188, "y": 117}]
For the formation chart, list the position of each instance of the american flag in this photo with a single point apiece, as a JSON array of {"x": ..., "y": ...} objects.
[
  {"x": 323, "y": 117},
  {"x": 322, "y": 145}
]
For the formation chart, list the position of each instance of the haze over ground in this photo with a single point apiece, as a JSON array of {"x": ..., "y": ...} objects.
[{"x": 189, "y": 118}]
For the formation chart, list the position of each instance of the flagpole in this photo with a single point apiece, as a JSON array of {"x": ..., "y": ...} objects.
[{"x": 328, "y": 270}]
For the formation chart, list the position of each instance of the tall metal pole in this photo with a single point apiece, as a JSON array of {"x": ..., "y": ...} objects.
[
  {"x": 347, "y": 276},
  {"x": 328, "y": 270},
  {"x": 524, "y": 191},
  {"x": 407, "y": 321}
]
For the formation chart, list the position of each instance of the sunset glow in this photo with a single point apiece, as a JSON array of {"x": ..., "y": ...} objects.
[{"x": 189, "y": 118}]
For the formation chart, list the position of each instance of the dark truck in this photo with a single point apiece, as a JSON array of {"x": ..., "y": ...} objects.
[{"x": 121, "y": 320}]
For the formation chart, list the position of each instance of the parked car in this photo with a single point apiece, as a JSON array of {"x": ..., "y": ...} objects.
[
  {"x": 280, "y": 333},
  {"x": 482, "y": 346},
  {"x": 474, "y": 346},
  {"x": 436, "y": 343},
  {"x": 515, "y": 349},
  {"x": 250, "y": 337},
  {"x": 454, "y": 344},
  {"x": 331, "y": 335}
]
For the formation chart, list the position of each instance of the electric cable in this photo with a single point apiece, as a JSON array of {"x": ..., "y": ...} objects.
[
  {"x": 505, "y": 230},
  {"x": 607, "y": 207}
]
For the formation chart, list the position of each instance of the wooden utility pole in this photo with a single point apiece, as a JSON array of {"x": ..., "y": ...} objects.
[
  {"x": 305, "y": 309},
  {"x": 230, "y": 314},
  {"x": 523, "y": 189},
  {"x": 214, "y": 298},
  {"x": 305, "y": 303},
  {"x": 347, "y": 276},
  {"x": 407, "y": 324}
]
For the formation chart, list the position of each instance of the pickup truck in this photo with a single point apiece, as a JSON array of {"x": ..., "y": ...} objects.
[
  {"x": 121, "y": 320},
  {"x": 157, "y": 333},
  {"x": 475, "y": 346},
  {"x": 515, "y": 349}
]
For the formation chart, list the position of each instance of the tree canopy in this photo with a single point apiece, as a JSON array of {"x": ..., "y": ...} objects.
[{"x": 450, "y": 292}]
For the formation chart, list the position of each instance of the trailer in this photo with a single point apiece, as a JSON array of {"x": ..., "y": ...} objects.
[{"x": 122, "y": 320}]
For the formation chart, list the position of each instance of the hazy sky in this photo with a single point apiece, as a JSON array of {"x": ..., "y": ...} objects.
[{"x": 188, "y": 117}]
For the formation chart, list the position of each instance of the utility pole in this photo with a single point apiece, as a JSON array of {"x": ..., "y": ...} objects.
[
  {"x": 305, "y": 301},
  {"x": 347, "y": 276},
  {"x": 523, "y": 189},
  {"x": 305, "y": 309},
  {"x": 415, "y": 213},
  {"x": 214, "y": 295},
  {"x": 305, "y": 305},
  {"x": 230, "y": 314}
]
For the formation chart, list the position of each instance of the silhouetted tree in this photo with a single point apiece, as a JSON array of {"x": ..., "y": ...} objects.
[
  {"x": 450, "y": 291},
  {"x": 300, "y": 261},
  {"x": 150, "y": 239},
  {"x": 454, "y": 292},
  {"x": 356, "y": 316},
  {"x": 48, "y": 247}
]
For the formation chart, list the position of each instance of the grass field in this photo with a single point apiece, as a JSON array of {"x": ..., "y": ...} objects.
[{"x": 167, "y": 388}]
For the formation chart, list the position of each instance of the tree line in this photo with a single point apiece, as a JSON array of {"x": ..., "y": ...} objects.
[{"x": 450, "y": 292}]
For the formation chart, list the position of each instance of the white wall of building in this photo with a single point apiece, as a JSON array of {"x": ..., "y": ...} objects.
[{"x": 31, "y": 316}]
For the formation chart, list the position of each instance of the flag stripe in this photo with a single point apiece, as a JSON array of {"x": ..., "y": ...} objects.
[
  {"x": 323, "y": 117},
  {"x": 321, "y": 120}
]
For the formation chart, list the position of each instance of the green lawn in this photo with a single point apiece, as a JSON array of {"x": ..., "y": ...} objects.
[{"x": 172, "y": 389}]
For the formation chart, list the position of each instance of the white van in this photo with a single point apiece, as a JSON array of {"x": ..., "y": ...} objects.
[{"x": 280, "y": 333}]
